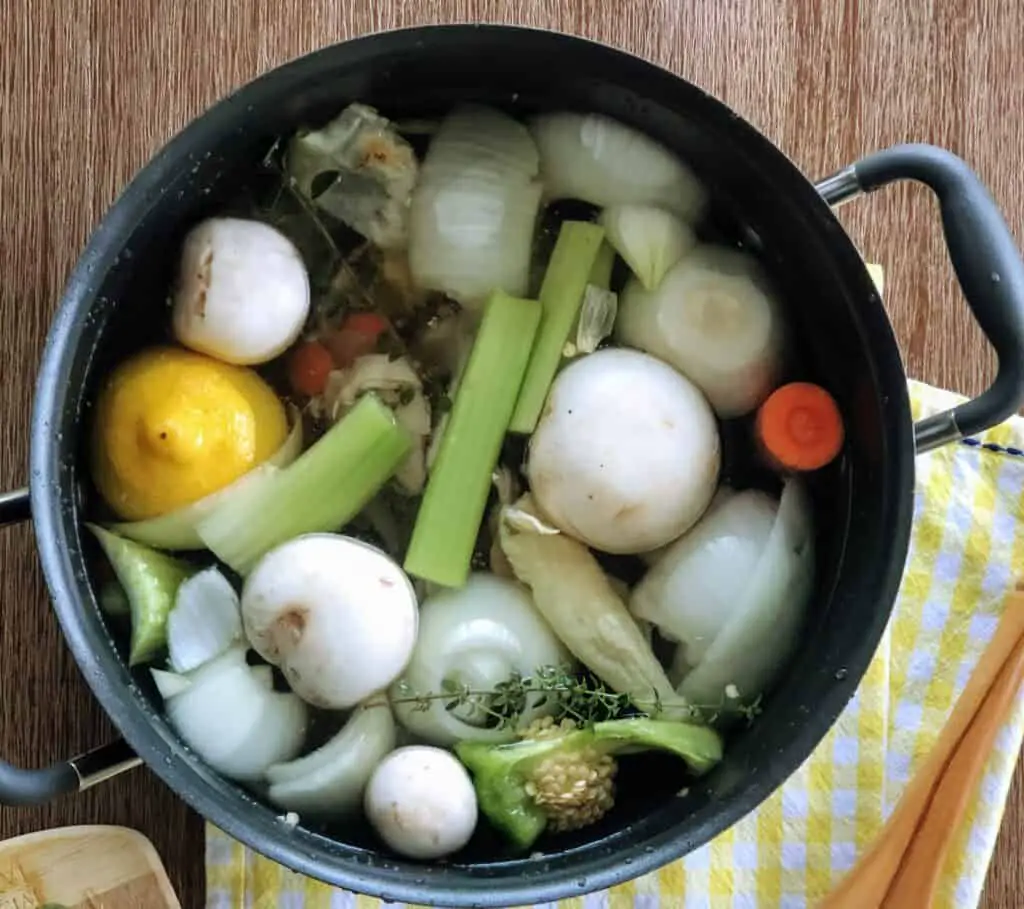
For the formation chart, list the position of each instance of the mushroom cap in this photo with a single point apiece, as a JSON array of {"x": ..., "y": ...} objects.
[
  {"x": 242, "y": 293},
  {"x": 421, "y": 802},
  {"x": 626, "y": 454},
  {"x": 336, "y": 614}
]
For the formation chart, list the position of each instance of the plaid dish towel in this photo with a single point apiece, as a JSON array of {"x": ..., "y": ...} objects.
[{"x": 967, "y": 548}]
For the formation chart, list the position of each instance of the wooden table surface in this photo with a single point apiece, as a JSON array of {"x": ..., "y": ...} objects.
[{"x": 90, "y": 88}]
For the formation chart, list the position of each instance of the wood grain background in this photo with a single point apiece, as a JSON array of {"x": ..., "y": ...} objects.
[{"x": 89, "y": 89}]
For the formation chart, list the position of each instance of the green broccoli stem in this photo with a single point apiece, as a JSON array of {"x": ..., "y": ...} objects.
[
  {"x": 561, "y": 294},
  {"x": 699, "y": 746},
  {"x": 504, "y": 775},
  {"x": 501, "y": 774},
  {"x": 454, "y": 501}
]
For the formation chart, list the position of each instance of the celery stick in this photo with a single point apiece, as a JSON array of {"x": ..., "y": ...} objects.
[
  {"x": 601, "y": 271},
  {"x": 321, "y": 490},
  {"x": 456, "y": 495},
  {"x": 561, "y": 294}
]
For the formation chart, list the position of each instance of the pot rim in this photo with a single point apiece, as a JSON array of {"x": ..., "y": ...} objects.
[{"x": 125, "y": 703}]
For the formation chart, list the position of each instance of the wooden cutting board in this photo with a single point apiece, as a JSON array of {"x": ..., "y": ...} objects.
[{"x": 83, "y": 868}]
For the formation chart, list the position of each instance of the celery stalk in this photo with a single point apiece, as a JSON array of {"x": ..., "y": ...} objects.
[
  {"x": 453, "y": 504},
  {"x": 561, "y": 294},
  {"x": 601, "y": 270},
  {"x": 321, "y": 490}
]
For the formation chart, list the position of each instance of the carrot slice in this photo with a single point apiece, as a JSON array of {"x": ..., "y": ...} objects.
[
  {"x": 308, "y": 368},
  {"x": 800, "y": 427}
]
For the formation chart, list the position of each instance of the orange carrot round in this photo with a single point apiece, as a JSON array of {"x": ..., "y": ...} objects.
[
  {"x": 800, "y": 426},
  {"x": 308, "y": 368}
]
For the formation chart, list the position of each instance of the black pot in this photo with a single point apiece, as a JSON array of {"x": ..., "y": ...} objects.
[{"x": 863, "y": 504}]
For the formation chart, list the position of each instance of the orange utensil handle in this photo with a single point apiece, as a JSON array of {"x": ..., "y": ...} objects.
[{"x": 917, "y": 879}]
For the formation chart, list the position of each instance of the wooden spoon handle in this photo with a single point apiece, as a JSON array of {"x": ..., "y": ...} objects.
[
  {"x": 917, "y": 879},
  {"x": 870, "y": 879}
]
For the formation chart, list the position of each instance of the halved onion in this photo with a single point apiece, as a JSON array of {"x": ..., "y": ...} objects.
[
  {"x": 176, "y": 530},
  {"x": 331, "y": 780},
  {"x": 750, "y": 651},
  {"x": 733, "y": 592},
  {"x": 715, "y": 319},
  {"x": 479, "y": 636},
  {"x": 693, "y": 590},
  {"x": 234, "y": 722},
  {"x": 475, "y": 206}
]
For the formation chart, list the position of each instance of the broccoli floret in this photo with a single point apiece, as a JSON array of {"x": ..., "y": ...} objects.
[{"x": 561, "y": 777}]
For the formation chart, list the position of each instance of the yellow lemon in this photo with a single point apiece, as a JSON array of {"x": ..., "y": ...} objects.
[{"x": 172, "y": 426}]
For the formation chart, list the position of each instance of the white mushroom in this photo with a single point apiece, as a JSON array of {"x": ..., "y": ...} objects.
[
  {"x": 421, "y": 802},
  {"x": 626, "y": 455},
  {"x": 338, "y": 616},
  {"x": 242, "y": 293}
]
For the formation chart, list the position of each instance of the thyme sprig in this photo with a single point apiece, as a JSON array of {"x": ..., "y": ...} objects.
[{"x": 584, "y": 699}]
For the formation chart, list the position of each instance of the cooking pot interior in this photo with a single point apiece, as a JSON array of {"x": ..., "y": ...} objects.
[{"x": 840, "y": 338}]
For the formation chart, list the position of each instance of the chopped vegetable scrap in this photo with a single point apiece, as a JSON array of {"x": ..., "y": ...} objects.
[
  {"x": 360, "y": 170},
  {"x": 323, "y": 489},
  {"x": 309, "y": 365},
  {"x": 561, "y": 295},
  {"x": 150, "y": 580},
  {"x": 573, "y": 594},
  {"x": 331, "y": 780}
]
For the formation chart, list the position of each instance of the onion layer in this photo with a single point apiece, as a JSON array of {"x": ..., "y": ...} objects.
[
  {"x": 205, "y": 621},
  {"x": 234, "y": 722},
  {"x": 475, "y": 206},
  {"x": 753, "y": 647},
  {"x": 604, "y": 162},
  {"x": 331, "y": 780},
  {"x": 650, "y": 239},
  {"x": 692, "y": 591},
  {"x": 734, "y": 592}
]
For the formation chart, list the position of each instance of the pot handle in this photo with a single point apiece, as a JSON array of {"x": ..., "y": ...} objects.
[
  {"x": 988, "y": 266},
  {"x": 33, "y": 787}
]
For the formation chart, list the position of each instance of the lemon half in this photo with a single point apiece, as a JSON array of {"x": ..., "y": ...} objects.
[{"x": 172, "y": 426}]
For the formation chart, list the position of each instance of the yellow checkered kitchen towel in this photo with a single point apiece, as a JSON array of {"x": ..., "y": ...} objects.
[{"x": 966, "y": 549}]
